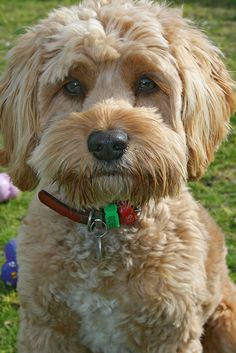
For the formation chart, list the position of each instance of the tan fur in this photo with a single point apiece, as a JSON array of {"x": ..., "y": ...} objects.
[{"x": 162, "y": 285}]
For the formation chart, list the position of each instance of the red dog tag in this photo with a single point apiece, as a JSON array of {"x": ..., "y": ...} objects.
[{"x": 127, "y": 214}]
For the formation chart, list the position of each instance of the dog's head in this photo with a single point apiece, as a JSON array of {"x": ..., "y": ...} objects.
[{"x": 113, "y": 100}]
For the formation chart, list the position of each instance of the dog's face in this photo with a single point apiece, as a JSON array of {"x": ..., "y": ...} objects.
[{"x": 113, "y": 100}]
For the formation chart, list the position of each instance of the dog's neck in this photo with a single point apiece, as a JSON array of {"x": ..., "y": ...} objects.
[{"x": 111, "y": 216}]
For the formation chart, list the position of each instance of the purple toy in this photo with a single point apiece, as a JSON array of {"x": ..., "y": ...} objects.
[
  {"x": 10, "y": 268},
  {"x": 10, "y": 250},
  {"x": 7, "y": 189}
]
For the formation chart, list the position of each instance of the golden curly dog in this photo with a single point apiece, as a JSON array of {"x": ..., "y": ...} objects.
[{"x": 109, "y": 107}]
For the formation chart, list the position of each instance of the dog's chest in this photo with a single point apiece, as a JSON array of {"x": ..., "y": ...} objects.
[
  {"x": 100, "y": 322},
  {"x": 100, "y": 311}
]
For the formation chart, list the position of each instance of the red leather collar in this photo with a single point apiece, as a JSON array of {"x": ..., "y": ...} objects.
[{"x": 127, "y": 214}]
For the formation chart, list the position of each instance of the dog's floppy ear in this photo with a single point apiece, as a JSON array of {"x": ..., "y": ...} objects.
[
  {"x": 18, "y": 110},
  {"x": 208, "y": 95}
]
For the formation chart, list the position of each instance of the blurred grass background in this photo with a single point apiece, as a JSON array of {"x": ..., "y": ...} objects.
[{"x": 217, "y": 189}]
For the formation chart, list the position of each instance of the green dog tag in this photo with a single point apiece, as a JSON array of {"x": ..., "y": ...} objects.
[{"x": 111, "y": 216}]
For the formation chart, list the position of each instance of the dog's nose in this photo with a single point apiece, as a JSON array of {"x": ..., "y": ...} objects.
[{"x": 108, "y": 145}]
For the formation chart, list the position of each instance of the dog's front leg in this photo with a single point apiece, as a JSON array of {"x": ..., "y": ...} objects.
[
  {"x": 173, "y": 345},
  {"x": 172, "y": 331},
  {"x": 37, "y": 338},
  {"x": 193, "y": 346}
]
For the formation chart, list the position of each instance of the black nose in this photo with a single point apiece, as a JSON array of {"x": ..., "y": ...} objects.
[{"x": 108, "y": 145}]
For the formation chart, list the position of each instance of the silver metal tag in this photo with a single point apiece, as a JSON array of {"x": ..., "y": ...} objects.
[
  {"x": 98, "y": 247},
  {"x": 99, "y": 229}
]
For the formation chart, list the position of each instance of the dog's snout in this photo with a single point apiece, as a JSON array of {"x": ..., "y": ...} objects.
[{"x": 108, "y": 145}]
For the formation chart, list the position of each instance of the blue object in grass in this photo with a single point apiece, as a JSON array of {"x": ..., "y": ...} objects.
[{"x": 10, "y": 268}]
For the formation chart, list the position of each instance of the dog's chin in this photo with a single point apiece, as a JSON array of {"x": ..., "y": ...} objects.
[
  {"x": 100, "y": 190},
  {"x": 95, "y": 187}
]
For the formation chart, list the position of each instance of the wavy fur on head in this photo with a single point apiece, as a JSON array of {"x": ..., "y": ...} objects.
[{"x": 162, "y": 286}]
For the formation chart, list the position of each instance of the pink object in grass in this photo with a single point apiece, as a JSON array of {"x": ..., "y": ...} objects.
[{"x": 7, "y": 189}]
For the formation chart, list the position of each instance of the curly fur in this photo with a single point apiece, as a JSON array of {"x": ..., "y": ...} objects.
[{"x": 162, "y": 285}]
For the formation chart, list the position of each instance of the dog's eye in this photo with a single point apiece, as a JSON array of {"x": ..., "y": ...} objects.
[
  {"x": 145, "y": 85},
  {"x": 73, "y": 88}
]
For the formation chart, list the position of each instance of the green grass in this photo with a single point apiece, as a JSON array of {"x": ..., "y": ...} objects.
[{"x": 217, "y": 189}]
